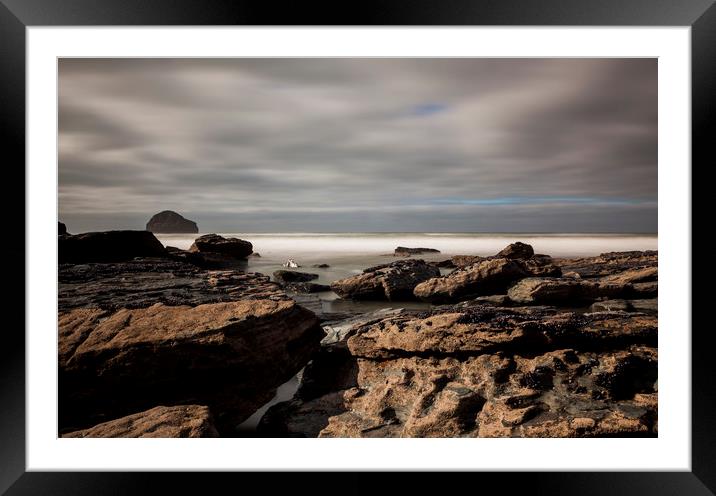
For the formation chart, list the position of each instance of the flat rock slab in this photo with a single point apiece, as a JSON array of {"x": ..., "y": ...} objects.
[
  {"x": 229, "y": 356},
  {"x": 392, "y": 282},
  {"x": 161, "y": 421},
  {"x": 479, "y": 372},
  {"x": 608, "y": 264},
  {"x": 483, "y": 278},
  {"x": 143, "y": 282},
  {"x": 488, "y": 330},
  {"x": 552, "y": 291}
]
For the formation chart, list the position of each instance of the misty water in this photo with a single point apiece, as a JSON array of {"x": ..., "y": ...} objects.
[{"x": 349, "y": 254}]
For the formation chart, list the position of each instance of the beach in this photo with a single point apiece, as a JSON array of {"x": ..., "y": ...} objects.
[{"x": 366, "y": 335}]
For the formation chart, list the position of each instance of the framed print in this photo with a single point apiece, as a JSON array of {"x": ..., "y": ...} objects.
[{"x": 409, "y": 239}]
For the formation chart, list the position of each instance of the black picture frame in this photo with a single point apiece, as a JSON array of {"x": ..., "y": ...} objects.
[{"x": 16, "y": 15}]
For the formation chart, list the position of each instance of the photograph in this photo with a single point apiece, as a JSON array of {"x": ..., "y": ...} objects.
[{"x": 357, "y": 247}]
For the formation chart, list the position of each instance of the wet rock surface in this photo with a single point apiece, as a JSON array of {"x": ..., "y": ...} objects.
[
  {"x": 516, "y": 344},
  {"x": 306, "y": 287},
  {"x": 552, "y": 291},
  {"x": 292, "y": 276},
  {"x": 392, "y": 282},
  {"x": 146, "y": 332},
  {"x": 230, "y": 356},
  {"x": 483, "y": 278},
  {"x": 161, "y": 421},
  {"x": 608, "y": 264},
  {"x": 143, "y": 282},
  {"x": 213, "y": 245},
  {"x": 487, "y": 372}
]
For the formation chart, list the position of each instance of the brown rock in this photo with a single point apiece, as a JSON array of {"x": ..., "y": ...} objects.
[
  {"x": 550, "y": 291},
  {"x": 482, "y": 330},
  {"x": 563, "y": 393},
  {"x": 161, "y": 421},
  {"x": 487, "y": 372},
  {"x": 481, "y": 279},
  {"x": 229, "y": 356},
  {"x": 540, "y": 266},
  {"x": 517, "y": 250},
  {"x": 393, "y": 282},
  {"x": 608, "y": 264},
  {"x": 647, "y": 274},
  {"x": 462, "y": 261},
  {"x": 645, "y": 289}
]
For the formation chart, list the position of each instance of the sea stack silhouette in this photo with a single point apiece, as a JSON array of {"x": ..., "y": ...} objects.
[{"x": 170, "y": 222}]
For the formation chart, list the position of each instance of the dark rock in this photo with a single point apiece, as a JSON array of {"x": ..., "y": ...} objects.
[
  {"x": 551, "y": 291},
  {"x": 608, "y": 264},
  {"x": 403, "y": 251},
  {"x": 218, "y": 245},
  {"x": 162, "y": 421},
  {"x": 108, "y": 246},
  {"x": 306, "y": 287},
  {"x": 321, "y": 266},
  {"x": 255, "y": 255},
  {"x": 444, "y": 264},
  {"x": 392, "y": 282},
  {"x": 540, "y": 266},
  {"x": 291, "y": 276},
  {"x": 488, "y": 277},
  {"x": 171, "y": 222},
  {"x": 646, "y": 274},
  {"x": 645, "y": 289},
  {"x": 611, "y": 306},
  {"x": 646, "y": 305},
  {"x": 516, "y": 250},
  {"x": 143, "y": 282},
  {"x": 61, "y": 229},
  {"x": 229, "y": 356}
]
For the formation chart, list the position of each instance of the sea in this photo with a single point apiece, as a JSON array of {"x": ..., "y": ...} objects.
[{"x": 349, "y": 253}]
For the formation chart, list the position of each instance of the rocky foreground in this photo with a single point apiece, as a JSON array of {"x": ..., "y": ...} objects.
[{"x": 157, "y": 342}]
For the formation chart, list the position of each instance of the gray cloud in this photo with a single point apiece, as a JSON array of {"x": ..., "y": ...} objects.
[{"x": 360, "y": 144}]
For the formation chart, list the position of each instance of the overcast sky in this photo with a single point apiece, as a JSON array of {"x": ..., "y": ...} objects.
[{"x": 426, "y": 145}]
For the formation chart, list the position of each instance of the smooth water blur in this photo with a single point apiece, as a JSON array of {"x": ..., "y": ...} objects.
[
  {"x": 315, "y": 246},
  {"x": 351, "y": 253}
]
